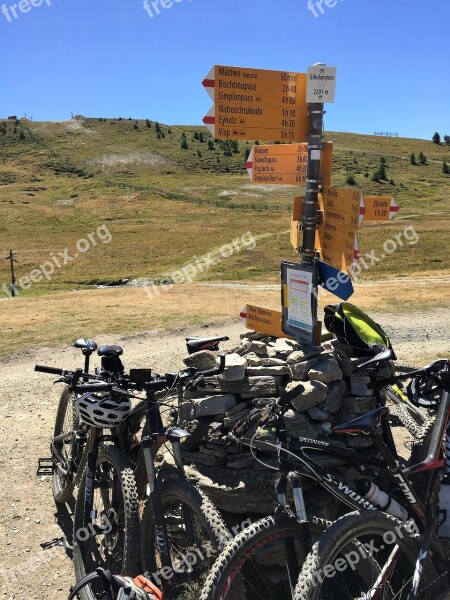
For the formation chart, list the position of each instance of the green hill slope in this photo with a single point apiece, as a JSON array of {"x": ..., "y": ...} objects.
[{"x": 163, "y": 204}]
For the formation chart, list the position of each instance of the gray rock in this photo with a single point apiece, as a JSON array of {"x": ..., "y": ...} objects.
[
  {"x": 262, "y": 402},
  {"x": 324, "y": 429},
  {"x": 359, "y": 386},
  {"x": 326, "y": 370},
  {"x": 300, "y": 370},
  {"x": 208, "y": 406},
  {"x": 201, "y": 430},
  {"x": 220, "y": 453},
  {"x": 304, "y": 354},
  {"x": 235, "y": 366},
  {"x": 253, "y": 360},
  {"x": 203, "y": 360},
  {"x": 259, "y": 348},
  {"x": 228, "y": 422},
  {"x": 276, "y": 370},
  {"x": 203, "y": 459},
  {"x": 241, "y": 462},
  {"x": 315, "y": 393},
  {"x": 358, "y": 405},
  {"x": 298, "y": 425},
  {"x": 239, "y": 491},
  {"x": 272, "y": 362},
  {"x": 317, "y": 415},
  {"x": 271, "y": 352},
  {"x": 238, "y": 408},
  {"x": 335, "y": 396},
  {"x": 284, "y": 346},
  {"x": 248, "y": 388},
  {"x": 244, "y": 349}
]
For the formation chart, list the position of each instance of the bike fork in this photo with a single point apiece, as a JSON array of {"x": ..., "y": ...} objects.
[{"x": 162, "y": 541}]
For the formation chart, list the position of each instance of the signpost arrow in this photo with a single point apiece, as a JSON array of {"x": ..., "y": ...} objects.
[
  {"x": 378, "y": 208},
  {"x": 257, "y": 104},
  {"x": 286, "y": 164}
]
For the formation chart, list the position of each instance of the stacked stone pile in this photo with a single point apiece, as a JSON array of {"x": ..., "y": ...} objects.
[{"x": 259, "y": 370}]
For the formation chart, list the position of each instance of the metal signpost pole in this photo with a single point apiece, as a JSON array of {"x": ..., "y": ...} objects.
[
  {"x": 10, "y": 257},
  {"x": 311, "y": 215}
]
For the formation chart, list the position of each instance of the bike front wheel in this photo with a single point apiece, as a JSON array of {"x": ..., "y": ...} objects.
[
  {"x": 364, "y": 555},
  {"x": 65, "y": 449},
  {"x": 195, "y": 532},
  {"x": 254, "y": 566},
  {"x": 109, "y": 536}
]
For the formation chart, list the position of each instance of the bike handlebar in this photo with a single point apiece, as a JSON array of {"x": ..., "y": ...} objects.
[{"x": 51, "y": 370}]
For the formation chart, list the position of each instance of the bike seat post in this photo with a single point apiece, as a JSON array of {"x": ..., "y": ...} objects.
[{"x": 385, "y": 442}]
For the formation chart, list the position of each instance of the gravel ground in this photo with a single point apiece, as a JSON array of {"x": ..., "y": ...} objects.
[{"x": 28, "y": 401}]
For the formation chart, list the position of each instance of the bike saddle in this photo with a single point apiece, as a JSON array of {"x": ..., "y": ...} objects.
[
  {"x": 195, "y": 343},
  {"x": 384, "y": 356},
  {"x": 110, "y": 351},
  {"x": 365, "y": 424},
  {"x": 87, "y": 346}
]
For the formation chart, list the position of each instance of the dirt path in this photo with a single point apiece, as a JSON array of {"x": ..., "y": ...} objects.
[{"x": 28, "y": 401}]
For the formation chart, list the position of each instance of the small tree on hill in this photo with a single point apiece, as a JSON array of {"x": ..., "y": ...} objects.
[
  {"x": 196, "y": 135},
  {"x": 184, "y": 144},
  {"x": 436, "y": 139},
  {"x": 412, "y": 158},
  {"x": 422, "y": 159},
  {"x": 210, "y": 145},
  {"x": 447, "y": 139},
  {"x": 148, "y": 123},
  {"x": 157, "y": 128},
  {"x": 445, "y": 169},
  {"x": 350, "y": 180},
  {"x": 201, "y": 139}
]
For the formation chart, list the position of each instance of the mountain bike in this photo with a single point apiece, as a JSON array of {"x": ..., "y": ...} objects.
[
  {"x": 394, "y": 561},
  {"x": 282, "y": 541},
  {"x": 181, "y": 531},
  {"x": 70, "y": 435},
  {"x": 107, "y": 489}
]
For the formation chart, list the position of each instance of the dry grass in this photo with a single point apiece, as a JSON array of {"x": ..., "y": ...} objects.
[{"x": 60, "y": 318}]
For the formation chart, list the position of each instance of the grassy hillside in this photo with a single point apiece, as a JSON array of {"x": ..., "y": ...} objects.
[{"x": 162, "y": 204}]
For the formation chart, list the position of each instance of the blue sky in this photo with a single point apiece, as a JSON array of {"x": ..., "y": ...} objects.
[{"x": 111, "y": 58}]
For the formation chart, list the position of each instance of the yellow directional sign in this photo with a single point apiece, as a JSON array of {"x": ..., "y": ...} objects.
[
  {"x": 378, "y": 208},
  {"x": 263, "y": 320},
  {"x": 286, "y": 164},
  {"x": 336, "y": 236},
  {"x": 257, "y": 104}
]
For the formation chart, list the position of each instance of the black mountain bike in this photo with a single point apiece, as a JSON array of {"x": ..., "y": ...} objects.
[
  {"x": 393, "y": 561},
  {"x": 181, "y": 532},
  {"x": 264, "y": 561}
]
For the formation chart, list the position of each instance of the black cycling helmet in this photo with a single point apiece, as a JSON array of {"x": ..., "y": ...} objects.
[{"x": 425, "y": 391}]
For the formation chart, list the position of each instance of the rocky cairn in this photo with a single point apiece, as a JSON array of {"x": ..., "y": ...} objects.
[{"x": 259, "y": 370}]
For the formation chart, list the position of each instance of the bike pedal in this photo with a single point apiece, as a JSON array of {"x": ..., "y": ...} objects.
[{"x": 45, "y": 467}]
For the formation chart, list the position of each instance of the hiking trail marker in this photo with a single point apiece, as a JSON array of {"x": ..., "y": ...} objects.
[
  {"x": 256, "y": 104},
  {"x": 286, "y": 164}
]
